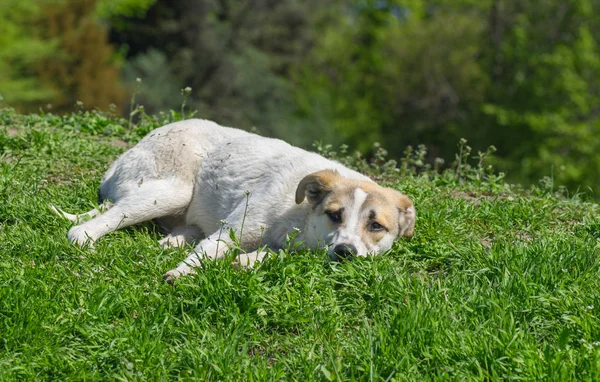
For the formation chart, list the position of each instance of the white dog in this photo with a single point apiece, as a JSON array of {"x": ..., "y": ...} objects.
[{"x": 199, "y": 179}]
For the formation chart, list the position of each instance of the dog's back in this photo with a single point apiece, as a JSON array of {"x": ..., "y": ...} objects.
[{"x": 172, "y": 151}]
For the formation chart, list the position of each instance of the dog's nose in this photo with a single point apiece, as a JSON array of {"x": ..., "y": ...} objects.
[{"x": 343, "y": 251}]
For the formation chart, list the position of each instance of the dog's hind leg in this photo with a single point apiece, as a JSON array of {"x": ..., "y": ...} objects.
[{"x": 149, "y": 201}]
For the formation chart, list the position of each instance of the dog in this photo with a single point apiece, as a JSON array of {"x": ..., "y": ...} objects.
[{"x": 200, "y": 180}]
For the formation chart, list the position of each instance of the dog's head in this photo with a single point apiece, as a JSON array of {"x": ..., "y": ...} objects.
[{"x": 353, "y": 217}]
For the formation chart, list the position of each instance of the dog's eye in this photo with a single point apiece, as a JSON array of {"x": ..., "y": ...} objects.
[
  {"x": 335, "y": 216},
  {"x": 374, "y": 226}
]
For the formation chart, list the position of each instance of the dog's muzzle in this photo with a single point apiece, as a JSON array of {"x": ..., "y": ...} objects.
[{"x": 344, "y": 251}]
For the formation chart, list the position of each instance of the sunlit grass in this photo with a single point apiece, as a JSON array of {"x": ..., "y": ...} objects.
[{"x": 497, "y": 283}]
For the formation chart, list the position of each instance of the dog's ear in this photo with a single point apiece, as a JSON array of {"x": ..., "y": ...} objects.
[
  {"x": 407, "y": 215},
  {"x": 315, "y": 186}
]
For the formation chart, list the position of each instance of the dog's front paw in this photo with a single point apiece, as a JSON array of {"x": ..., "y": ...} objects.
[
  {"x": 176, "y": 273},
  {"x": 79, "y": 237},
  {"x": 245, "y": 261},
  {"x": 170, "y": 276},
  {"x": 249, "y": 260}
]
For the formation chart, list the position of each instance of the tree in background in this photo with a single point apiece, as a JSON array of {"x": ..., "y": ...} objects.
[
  {"x": 56, "y": 52},
  {"x": 237, "y": 56},
  {"x": 542, "y": 105},
  {"x": 21, "y": 49},
  {"x": 405, "y": 72},
  {"x": 85, "y": 68},
  {"x": 520, "y": 75}
]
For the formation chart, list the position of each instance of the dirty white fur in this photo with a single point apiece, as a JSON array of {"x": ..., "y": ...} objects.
[{"x": 198, "y": 178}]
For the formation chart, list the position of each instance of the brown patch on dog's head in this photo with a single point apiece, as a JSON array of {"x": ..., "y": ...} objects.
[
  {"x": 406, "y": 212},
  {"x": 316, "y": 186}
]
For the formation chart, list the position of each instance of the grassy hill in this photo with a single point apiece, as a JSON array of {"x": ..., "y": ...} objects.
[{"x": 497, "y": 283}]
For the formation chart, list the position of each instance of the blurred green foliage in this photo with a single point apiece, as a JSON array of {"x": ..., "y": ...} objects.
[
  {"x": 55, "y": 54},
  {"x": 523, "y": 76},
  {"x": 20, "y": 51},
  {"x": 132, "y": 8}
]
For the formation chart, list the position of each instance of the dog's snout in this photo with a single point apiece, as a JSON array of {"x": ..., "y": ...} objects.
[{"x": 343, "y": 251}]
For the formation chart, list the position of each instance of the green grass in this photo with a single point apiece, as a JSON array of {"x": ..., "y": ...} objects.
[{"x": 497, "y": 283}]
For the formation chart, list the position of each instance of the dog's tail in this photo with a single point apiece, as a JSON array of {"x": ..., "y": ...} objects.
[{"x": 78, "y": 218}]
